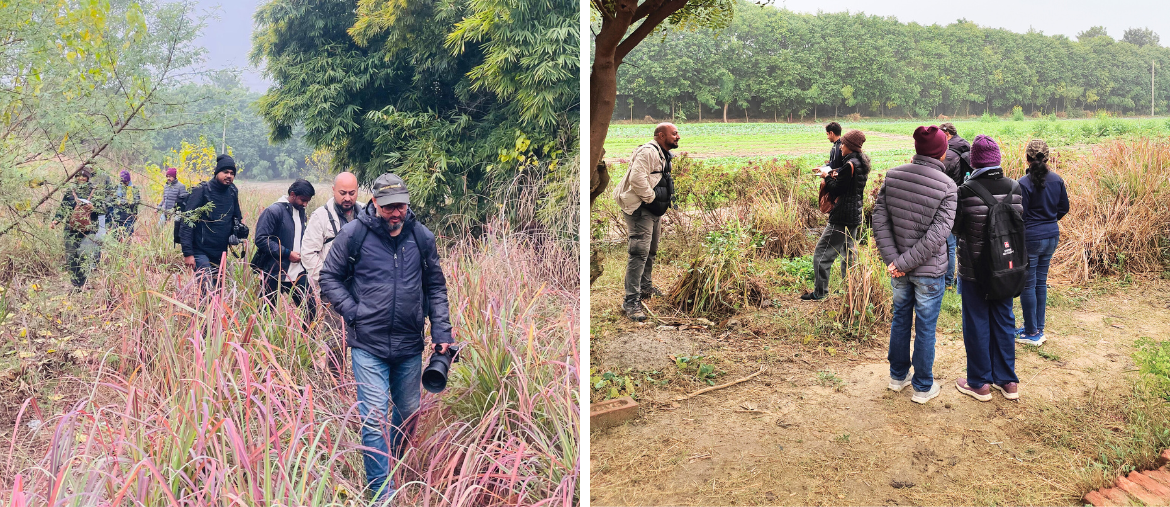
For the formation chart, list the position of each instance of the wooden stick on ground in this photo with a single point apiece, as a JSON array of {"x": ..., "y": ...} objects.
[{"x": 721, "y": 386}]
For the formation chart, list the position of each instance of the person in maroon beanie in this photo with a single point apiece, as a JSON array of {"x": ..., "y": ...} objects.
[
  {"x": 989, "y": 326},
  {"x": 911, "y": 220}
]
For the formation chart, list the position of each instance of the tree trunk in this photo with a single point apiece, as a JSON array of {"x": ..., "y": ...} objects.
[
  {"x": 724, "y": 112},
  {"x": 602, "y": 98},
  {"x": 700, "y": 112},
  {"x": 814, "y": 114}
]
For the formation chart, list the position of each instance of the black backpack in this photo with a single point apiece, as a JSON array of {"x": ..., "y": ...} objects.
[
  {"x": 1002, "y": 266},
  {"x": 354, "y": 254}
]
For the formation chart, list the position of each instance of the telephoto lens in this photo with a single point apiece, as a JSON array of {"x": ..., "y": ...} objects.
[{"x": 434, "y": 378}]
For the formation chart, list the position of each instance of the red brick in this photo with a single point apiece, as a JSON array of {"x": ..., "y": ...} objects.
[
  {"x": 1152, "y": 486},
  {"x": 1164, "y": 458},
  {"x": 1115, "y": 496},
  {"x": 1098, "y": 500},
  {"x": 604, "y": 414},
  {"x": 1139, "y": 492},
  {"x": 1158, "y": 475}
]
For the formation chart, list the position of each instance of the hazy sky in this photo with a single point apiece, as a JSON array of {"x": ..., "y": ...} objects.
[
  {"x": 228, "y": 39},
  {"x": 1051, "y": 17}
]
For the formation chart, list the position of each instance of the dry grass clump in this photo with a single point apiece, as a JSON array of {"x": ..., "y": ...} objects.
[
  {"x": 1117, "y": 222},
  {"x": 784, "y": 233},
  {"x": 867, "y": 296},
  {"x": 719, "y": 280}
]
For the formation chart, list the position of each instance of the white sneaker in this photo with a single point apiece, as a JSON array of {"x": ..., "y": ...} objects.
[
  {"x": 897, "y": 385},
  {"x": 923, "y": 397}
]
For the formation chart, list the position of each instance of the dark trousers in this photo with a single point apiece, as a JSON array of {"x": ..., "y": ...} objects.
[
  {"x": 837, "y": 240},
  {"x": 643, "y": 229},
  {"x": 301, "y": 295},
  {"x": 989, "y": 335},
  {"x": 81, "y": 256}
]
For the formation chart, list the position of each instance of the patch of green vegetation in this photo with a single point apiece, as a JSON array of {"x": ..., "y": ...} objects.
[
  {"x": 842, "y": 438},
  {"x": 612, "y": 384},
  {"x": 1046, "y": 353},
  {"x": 829, "y": 379},
  {"x": 695, "y": 366},
  {"x": 1153, "y": 359}
]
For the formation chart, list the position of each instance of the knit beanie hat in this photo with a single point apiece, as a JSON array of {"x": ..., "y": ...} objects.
[
  {"x": 225, "y": 163},
  {"x": 930, "y": 142},
  {"x": 853, "y": 139},
  {"x": 172, "y": 172},
  {"x": 125, "y": 175},
  {"x": 86, "y": 171},
  {"x": 1037, "y": 150},
  {"x": 984, "y": 152}
]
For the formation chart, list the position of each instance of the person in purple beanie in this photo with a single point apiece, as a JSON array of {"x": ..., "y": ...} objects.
[{"x": 988, "y": 324}]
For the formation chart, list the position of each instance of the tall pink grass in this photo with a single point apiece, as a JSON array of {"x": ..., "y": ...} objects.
[{"x": 220, "y": 401}]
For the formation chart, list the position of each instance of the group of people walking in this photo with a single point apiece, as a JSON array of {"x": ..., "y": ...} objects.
[
  {"x": 92, "y": 208},
  {"x": 948, "y": 218},
  {"x": 374, "y": 269}
]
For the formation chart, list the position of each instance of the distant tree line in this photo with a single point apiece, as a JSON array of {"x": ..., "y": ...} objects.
[
  {"x": 776, "y": 64},
  {"x": 222, "y": 105}
]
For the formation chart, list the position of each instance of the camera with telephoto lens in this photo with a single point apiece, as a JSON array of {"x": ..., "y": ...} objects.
[
  {"x": 434, "y": 378},
  {"x": 239, "y": 232}
]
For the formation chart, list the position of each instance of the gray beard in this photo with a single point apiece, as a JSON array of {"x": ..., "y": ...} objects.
[{"x": 394, "y": 227}]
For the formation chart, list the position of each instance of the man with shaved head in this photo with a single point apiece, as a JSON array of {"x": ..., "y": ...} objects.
[
  {"x": 324, "y": 223},
  {"x": 644, "y": 195}
]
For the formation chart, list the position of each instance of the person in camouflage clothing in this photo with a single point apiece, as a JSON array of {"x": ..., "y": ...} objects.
[{"x": 82, "y": 246}]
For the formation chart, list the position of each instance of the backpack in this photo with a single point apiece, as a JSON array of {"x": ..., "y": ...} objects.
[
  {"x": 354, "y": 254},
  {"x": 965, "y": 168},
  {"x": 184, "y": 197},
  {"x": 81, "y": 218},
  {"x": 1002, "y": 266}
]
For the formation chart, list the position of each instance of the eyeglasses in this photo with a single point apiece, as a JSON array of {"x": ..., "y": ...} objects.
[{"x": 395, "y": 207}]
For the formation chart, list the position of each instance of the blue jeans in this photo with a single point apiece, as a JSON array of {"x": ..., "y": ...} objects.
[
  {"x": 989, "y": 335},
  {"x": 949, "y": 277},
  {"x": 1035, "y": 295},
  {"x": 917, "y": 301},
  {"x": 378, "y": 383}
]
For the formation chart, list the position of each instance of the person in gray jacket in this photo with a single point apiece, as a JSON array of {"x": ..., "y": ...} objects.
[
  {"x": 385, "y": 287},
  {"x": 172, "y": 191},
  {"x": 911, "y": 220}
]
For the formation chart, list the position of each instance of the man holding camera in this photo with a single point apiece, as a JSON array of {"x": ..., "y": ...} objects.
[
  {"x": 382, "y": 275},
  {"x": 214, "y": 229},
  {"x": 279, "y": 231},
  {"x": 644, "y": 194}
]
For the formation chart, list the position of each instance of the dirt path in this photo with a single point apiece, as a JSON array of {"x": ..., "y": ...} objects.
[{"x": 853, "y": 442}]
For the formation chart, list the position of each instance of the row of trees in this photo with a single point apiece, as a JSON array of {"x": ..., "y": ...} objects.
[
  {"x": 222, "y": 108},
  {"x": 463, "y": 99},
  {"x": 776, "y": 63}
]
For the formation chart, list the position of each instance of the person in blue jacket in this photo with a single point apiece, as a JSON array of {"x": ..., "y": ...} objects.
[
  {"x": 1045, "y": 203},
  {"x": 385, "y": 285},
  {"x": 279, "y": 231}
]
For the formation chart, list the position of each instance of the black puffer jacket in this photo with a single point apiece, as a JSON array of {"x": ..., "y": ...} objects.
[
  {"x": 383, "y": 305},
  {"x": 957, "y": 148},
  {"x": 971, "y": 217},
  {"x": 848, "y": 187},
  {"x": 210, "y": 234},
  {"x": 275, "y": 238}
]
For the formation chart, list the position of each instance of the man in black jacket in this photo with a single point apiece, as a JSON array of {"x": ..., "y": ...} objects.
[
  {"x": 958, "y": 165},
  {"x": 205, "y": 241},
  {"x": 833, "y": 132},
  {"x": 846, "y": 188},
  {"x": 278, "y": 246},
  {"x": 384, "y": 287}
]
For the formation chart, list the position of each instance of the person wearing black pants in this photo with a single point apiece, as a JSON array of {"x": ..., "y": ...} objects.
[
  {"x": 279, "y": 231},
  {"x": 846, "y": 186}
]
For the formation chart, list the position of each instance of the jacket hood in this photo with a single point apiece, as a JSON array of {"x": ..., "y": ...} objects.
[{"x": 958, "y": 144}]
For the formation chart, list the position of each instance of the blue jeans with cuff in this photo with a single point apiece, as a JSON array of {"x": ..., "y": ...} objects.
[{"x": 917, "y": 301}]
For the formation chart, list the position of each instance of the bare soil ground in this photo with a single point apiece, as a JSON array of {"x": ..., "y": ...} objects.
[{"x": 819, "y": 427}]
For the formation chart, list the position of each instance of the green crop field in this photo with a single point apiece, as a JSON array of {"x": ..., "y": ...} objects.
[{"x": 888, "y": 142}]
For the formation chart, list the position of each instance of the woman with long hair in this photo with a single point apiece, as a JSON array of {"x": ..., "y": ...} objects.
[{"x": 1045, "y": 203}]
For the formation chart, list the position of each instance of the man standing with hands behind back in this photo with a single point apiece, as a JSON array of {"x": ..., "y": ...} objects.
[
  {"x": 644, "y": 195},
  {"x": 911, "y": 220}
]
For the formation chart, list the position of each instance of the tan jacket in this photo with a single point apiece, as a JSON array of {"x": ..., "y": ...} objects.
[
  {"x": 318, "y": 239},
  {"x": 645, "y": 170}
]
